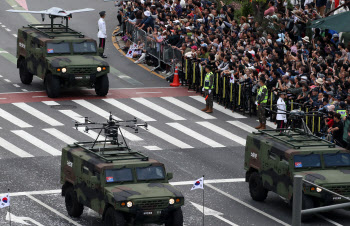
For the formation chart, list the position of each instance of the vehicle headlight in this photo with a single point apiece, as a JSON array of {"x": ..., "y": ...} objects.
[
  {"x": 171, "y": 201},
  {"x": 129, "y": 204},
  {"x": 64, "y": 70},
  {"x": 318, "y": 189},
  {"x": 99, "y": 69}
]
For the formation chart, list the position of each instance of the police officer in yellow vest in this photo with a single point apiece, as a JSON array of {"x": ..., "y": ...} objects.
[
  {"x": 208, "y": 89},
  {"x": 261, "y": 102}
]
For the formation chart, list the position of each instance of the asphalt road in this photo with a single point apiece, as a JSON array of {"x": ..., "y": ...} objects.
[{"x": 34, "y": 128}]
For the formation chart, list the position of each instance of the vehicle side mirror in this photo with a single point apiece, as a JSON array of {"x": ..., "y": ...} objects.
[
  {"x": 100, "y": 50},
  {"x": 169, "y": 176},
  {"x": 94, "y": 180}
]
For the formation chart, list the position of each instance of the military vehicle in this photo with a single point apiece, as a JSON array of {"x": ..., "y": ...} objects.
[
  {"x": 124, "y": 186},
  {"x": 60, "y": 56},
  {"x": 274, "y": 157}
]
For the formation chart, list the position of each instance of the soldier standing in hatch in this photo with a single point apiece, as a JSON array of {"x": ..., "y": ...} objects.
[
  {"x": 102, "y": 35},
  {"x": 208, "y": 89},
  {"x": 261, "y": 102}
]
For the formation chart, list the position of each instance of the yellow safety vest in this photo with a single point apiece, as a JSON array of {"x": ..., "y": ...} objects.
[
  {"x": 266, "y": 95},
  {"x": 342, "y": 113},
  {"x": 207, "y": 81}
]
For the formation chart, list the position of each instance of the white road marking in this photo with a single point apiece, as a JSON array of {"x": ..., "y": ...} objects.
[
  {"x": 95, "y": 109},
  {"x": 13, "y": 119},
  {"x": 210, "y": 212},
  {"x": 53, "y": 210},
  {"x": 36, "y": 142},
  {"x": 3, "y": 26},
  {"x": 3, "y": 98},
  {"x": 21, "y": 220},
  {"x": 2, "y": 51},
  {"x": 188, "y": 107},
  {"x": 104, "y": 114},
  {"x": 38, "y": 96},
  {"x": 7, "y": 80},
  {"x": 328, "y": 220},
  {"x": 247, "y": 205},
  {"x": 73, "y": 115},
  {"x": 7, "y": 29},
  {"x": 50, "y": 103},
  {"x": 15, "y": 150},
  {"x": 219, "y": 108},
  {"x": 90, "y": 133},
  {"x": 223, "y": 132},
  {"x": 158, "y": 108},
  {"x": 1, "y": 76},
  {"x": 16, "y": 85},
  {"x": 15, "y": 35},
  {"x": 59, "y": 135},
  {"x": 38, "y": 114},
  {"x": 177, "y": 183},
  {"x": 129, "y": 110},
  {"x": 24, "y": 90},
  {"x": 196, "y": 135},
  {"x": 152, "y": 148},
  {"x": 243, "y": 126},
  {"x": 172, "y": 140}
]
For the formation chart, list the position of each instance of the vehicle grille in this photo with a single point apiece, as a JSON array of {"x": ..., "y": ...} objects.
[
  {"x": 340, "y": 189},
  {"x": 153, "y": 204},
  {"x": 82, "y": 70}
]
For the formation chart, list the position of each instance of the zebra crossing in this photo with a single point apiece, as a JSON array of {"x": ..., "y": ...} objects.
[{"x": 43, "y": 128}]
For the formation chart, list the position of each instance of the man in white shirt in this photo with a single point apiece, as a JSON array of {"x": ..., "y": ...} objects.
[
  {"x": 102, "y": 35},
  {"x": 281, "y": 117}
]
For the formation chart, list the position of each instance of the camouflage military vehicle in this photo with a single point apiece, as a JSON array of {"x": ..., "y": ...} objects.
[
  {"x": 61, "y": 57},
  {"x": 124, "y": 186},
  {"x": 272, "y": 158}
]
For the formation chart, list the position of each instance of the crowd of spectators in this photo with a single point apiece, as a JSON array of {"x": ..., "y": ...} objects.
[{"x": 311, "y": 65}]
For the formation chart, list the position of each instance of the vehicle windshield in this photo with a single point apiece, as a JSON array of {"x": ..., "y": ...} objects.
[
  {"x": 305, "y": 161},
  {"x": 150, "y": 173},
  {"x": 62, "y": 47},
  {"x": 119, "y": 175},
  {"x": 84, "y": 47},
  {"x": 336, "y": 159}
]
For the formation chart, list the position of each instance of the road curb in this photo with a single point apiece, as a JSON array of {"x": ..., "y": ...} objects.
[{"x": 114, "y": 38}]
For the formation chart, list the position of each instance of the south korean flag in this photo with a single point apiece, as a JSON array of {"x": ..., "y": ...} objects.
[
  {"x": 198, "y": 184},
  {"x": 4, "y": 201}
]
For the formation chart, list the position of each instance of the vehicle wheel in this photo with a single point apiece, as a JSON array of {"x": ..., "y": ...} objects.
[
  {"x": 256, "y": 188},
  {"x": 74, "y": 208},
  {"x": 114, "y": 218},
  {"x": 307, "y": 203},
  {"x": 175, "y": 218},
  {"x": 102, "y": 85},
  {"x": 24, "y": 74},
  {"x": 52, "y": 85}
]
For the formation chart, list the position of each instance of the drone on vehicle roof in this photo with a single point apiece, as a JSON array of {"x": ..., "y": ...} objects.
[
  {"x": 54, "y": 12},
  {"x": 111, "y": 129}
]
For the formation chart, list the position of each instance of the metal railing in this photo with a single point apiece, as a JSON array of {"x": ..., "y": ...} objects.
[{"x": 298, "y": 199}]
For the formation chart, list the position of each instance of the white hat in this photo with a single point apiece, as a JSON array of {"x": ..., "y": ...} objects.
[
  {"x": 306, "y": 39},
  {"x": 335, "y": 36},
  {"x": 189, "y": 28},
  {"x": 147, "y": 13},
  {"x": 176, "y": 21}
]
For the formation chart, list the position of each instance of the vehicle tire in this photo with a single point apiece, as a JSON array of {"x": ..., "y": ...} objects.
[
  {"x": 52, "y": 85},
  {"x": 256, "y": 188},
  {"x": 114, "y": 218},
  {"x": 74, "y": 208},
  {"x": 102, "y": 85},
  {"x": 175, "y": 218},
  {"x": 307, "y": 203},
  {"x": 25, "y": 76}
]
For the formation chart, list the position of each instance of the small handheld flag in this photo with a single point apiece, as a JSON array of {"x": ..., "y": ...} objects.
[
  {"x": 4, "y": 201},
  {"x": 198, "y": 184},
  {"x": 206, "y": 97}
]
